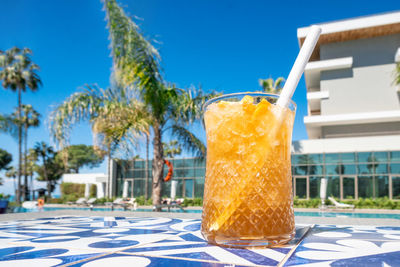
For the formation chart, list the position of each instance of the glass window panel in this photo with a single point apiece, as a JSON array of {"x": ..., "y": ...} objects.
[
  {"x": 348, "y": 157},
  {"x": 301, "y": 187},
  {"x": 381, "y": 168},
  {"x": 189, "y": 163},
  {"x": 199, "y": 163},
  {"x": 198, "y": 188},
  {"x": 332, "y": 169},
  {"x": 181, "y": 173},
  {"x": 138, "y": 174},
  {"x": 365, "y": 168},
  {"x": 349, "y": 187},
  {"x": 315, "y": 185},
  {"x": 395, "y": 168},
  {"x": 292, "y": 159},
  {"x": 300, "y": 170},
  {"x": 315, "y": 159},
  {"x": 179, "y": 187},
  {"x": 381, "y": 186},
  {"x": 166, "y": 189},
  {"x": 189, "y": 172},
  {"x": 349, "y": 169},
  {"x": 332, "y": 158},
  {"x": 139, "y": 164},
  {"x": 396, "y": 187},
  {"x": 365, "y": 157},
  {"x": 333, "y": 188},
  {"x": 138, "y": 187},
  {"x": 178, "y": 163},
  {"x": 381, "y": 156},
  {"x": 315, "y": 169},
  {"x": 120, "y": 183},
  {"x": 395, "y": 156},
  {"x": 365, "y": 186},
  {"x": 301, "y": 159},
  {"x": 201, "y": 172},
  {"x": 189, "y": 188},
  {"x": 298, "y": 159}
]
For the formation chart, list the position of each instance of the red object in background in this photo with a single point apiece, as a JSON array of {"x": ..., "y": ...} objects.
[{"x": 170, "y": 171}]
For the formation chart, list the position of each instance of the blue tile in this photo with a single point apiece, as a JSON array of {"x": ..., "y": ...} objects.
[
  {"x": 119, "y": 259},
  {"x": 113, "y": 244},
  {"x": 348, "y": 246},
  {"x": 12, "y": 250},
  {"x": 33, "y": 254}
]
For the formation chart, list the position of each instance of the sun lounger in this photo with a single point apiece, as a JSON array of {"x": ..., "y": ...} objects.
[
  {"x": 81, "y": 201},
  {"x": 340, "y": 205},
  {"x": 91, "y": 201}
]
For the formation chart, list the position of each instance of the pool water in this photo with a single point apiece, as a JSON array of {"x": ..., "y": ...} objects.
[{"x": 296, "y": 213}]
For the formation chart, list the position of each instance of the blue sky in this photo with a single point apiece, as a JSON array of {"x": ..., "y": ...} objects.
[{"x": 222, "y": 45}]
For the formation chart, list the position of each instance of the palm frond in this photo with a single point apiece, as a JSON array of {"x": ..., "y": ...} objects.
[
  {"x": 189, "y": 141},
  {"x": 9, "y": 125},
  {"x": 80, "y": 106},
  {"x": 136, "y": 61}
]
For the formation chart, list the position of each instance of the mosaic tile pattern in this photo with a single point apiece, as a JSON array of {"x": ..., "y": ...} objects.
[{"x": 130, "y": 241}]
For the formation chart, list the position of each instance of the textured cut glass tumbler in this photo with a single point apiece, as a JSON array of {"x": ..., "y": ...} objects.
[{"x": 248, "y": 200}]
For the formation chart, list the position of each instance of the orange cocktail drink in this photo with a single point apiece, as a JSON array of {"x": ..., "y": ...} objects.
[{"x": 248, "y": 199}]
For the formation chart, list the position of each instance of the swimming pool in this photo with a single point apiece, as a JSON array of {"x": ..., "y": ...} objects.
[{"x": 296, "y": 213}]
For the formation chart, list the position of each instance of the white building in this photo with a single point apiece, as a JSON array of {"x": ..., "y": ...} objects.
[
  {"x": 353, "y": 120},
  {"x": 99, "y": 179}
]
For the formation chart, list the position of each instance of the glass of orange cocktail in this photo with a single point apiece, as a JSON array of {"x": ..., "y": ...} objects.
[{"x": 248, "y": 199}]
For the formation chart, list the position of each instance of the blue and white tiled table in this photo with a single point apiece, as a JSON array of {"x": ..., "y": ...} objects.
[{"x": 130, "y": 241}]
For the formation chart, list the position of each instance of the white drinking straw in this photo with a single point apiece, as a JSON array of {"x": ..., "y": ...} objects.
[
  {"x": 299, "y": 66},
  {"x": 283, "y": 101}
]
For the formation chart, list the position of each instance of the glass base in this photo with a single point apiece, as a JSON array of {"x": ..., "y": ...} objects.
[{"x": 261, "y": 242}]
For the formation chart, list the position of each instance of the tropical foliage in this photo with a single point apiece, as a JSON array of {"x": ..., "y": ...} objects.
[
  {"x": 29, "y": 118},
  {"x": 50, "y": 170},
  {"x": 79, "y": 156},
  {"x": 18, "y": 73},
  {"x": 271, "y": 86},
  {"x": 115, "y": 115},
  {"x": 5, "y": 159},
  {"x": 171, "y": 149},
  {"x": 136, "y": 66}
]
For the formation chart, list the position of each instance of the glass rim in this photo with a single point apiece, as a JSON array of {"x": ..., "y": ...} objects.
[{"x": 221, "y": 97}]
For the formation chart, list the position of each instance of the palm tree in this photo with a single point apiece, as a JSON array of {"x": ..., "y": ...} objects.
[
  {"x": 29, "y": 118},
  {"x": 18, "y": 72},
  {"x": 114, "y": 114},
  {"x": 13, "y": 173},
  {"x": 271, "y": 86},
  {"x": 172, "y": 149},
  {"x": 44, "y": 152},
  {"x": 136, "y": 66},
  {"x": 31, "y": 158}
]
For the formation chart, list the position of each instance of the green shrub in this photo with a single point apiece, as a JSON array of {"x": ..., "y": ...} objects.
[
  {"x": 72, "y": 188},
  {"x": 93, "y": 190},
  {"x": 101, "y": 201},
  {"x": 55, "y": 201},
  {"x": 192, "y": 202}
]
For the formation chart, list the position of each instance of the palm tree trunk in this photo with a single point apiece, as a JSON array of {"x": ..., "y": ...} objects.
[
  {"x": 108, "y": 188},
  {"x": 146, "y": 186},
  {"x": 158, "y": 165},
  {"x": 26, "y": 189},
  {"x": 46, "y": 177},
  {"x": 19, "y": 147}
]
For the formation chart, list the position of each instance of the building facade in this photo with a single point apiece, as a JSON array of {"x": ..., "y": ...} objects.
[{"x": 353, "y": 119}]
